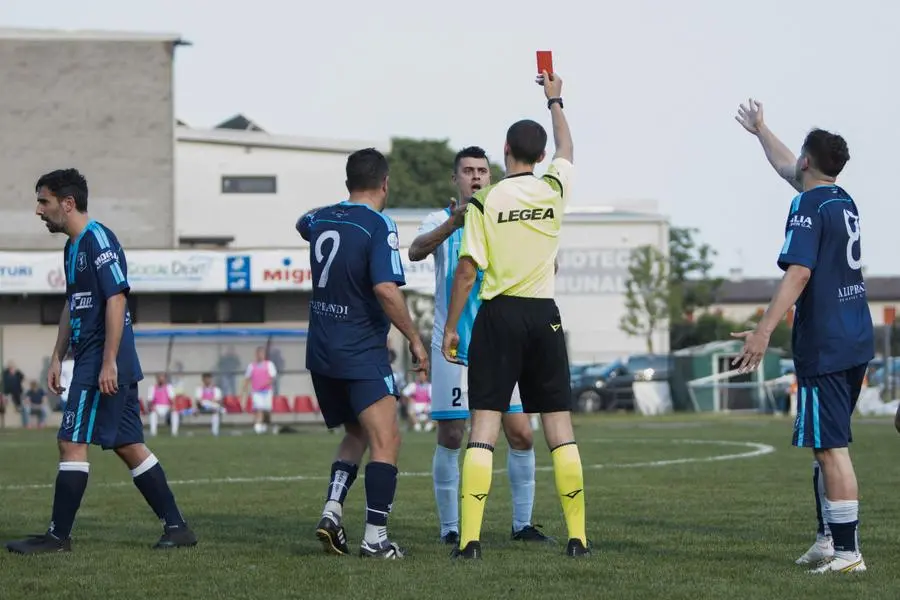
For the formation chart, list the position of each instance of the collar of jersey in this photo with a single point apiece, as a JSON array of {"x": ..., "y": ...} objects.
[
  {"x": 73, "y": 249},
  {"x": 524, "y": 174}
]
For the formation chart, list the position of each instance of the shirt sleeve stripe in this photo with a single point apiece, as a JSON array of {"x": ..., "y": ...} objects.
[
  {"x": 474, "y": 202},
  {"x": 100, "y": 236},
  {"x": 554, "y": 182}
]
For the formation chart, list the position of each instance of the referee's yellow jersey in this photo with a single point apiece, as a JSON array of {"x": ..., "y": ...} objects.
[{"x": 512, "y": 232}]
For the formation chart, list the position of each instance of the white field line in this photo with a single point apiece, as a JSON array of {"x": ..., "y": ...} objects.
[{"x": 754, "y": 450}]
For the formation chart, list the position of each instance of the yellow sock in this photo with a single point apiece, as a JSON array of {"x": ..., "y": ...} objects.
[
  {"x": 478, "y": 466},
  {"x": 570, "y": 485}
]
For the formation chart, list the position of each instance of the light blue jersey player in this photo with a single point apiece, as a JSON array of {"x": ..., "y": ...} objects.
[
  {"x": 833, "y": 337},
  {"x": 440, "y": 235}
]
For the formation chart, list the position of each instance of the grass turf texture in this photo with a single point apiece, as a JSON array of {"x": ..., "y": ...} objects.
[{"x": 695, "y": 528}]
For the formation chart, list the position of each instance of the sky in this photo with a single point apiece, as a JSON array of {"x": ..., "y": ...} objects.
[{"x": 650, "y": 88}]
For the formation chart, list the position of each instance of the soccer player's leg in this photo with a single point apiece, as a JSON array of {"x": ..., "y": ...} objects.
[
  {"x": 73, "y": 438},
  {"x": 117, "y": 426},
  {"x": 495, "y": 361},
  {"x": 450, "y": 409},
  {"x": 546, "y": 388},
  {"x": 823, "y": 424},
  {"x": 520, "y": 466},
  {"x": 334, "y": 402},
  {"x": 375, "y": 404}
]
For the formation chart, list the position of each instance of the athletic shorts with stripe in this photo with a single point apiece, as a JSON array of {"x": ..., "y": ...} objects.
[
  {"x": 450, "y": 390},
  {"x": 106, "y": 421},
  {"x": 825, "y": 404},
  {"x": 519, "y": 340},
  {"x": 343, "y": 400}
]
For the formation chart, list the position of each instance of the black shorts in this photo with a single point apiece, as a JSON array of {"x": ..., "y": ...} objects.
[{"x": 519, "y": 340}]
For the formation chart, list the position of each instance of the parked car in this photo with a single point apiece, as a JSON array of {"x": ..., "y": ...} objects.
[{"x": 610, "y": 386}]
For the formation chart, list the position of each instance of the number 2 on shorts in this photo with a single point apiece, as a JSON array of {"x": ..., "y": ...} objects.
[{"x": 457, "y": 397}]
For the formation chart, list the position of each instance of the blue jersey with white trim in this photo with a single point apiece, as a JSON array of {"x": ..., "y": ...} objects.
[
  {"x": 96, "y": 271},
  {"x": 832, "y": 328},
  {"x": 353, "y": 248}
]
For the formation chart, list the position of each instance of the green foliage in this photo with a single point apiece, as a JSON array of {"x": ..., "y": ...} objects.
[
  {"x": 690, "y": 263},
  {"x": 647, "y": 294},
  {"x": 421, "y": 171}
]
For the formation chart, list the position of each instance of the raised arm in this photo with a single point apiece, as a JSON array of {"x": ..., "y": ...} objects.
[
  {"x": 750, "y": 116},
  {"x": 562, "y": 137},
  {"x": 430, "y": 237}
]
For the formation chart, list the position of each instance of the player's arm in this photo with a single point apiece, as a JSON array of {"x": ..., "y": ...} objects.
[
  {"x": 63, "y": 334},
  {"x": 115, "y": 326},
  {"x": 463, "y": 282},
  {"x": 750, "y": 116},
  {"x": 562, "y": 137},
  {"x": 430, "y": 237}
]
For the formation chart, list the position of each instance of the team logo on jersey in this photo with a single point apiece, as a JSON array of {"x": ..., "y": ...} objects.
[
  {"x": 800, "y": 221},
  {"x": 104, "y": 258},
  {"x": 527, "y": 214},
  {"x": 81, "y": 301},
  {"x": 68, "y": 420},
  {"x": 393, "y": 240},
  {"x": 81, "y": 261}
]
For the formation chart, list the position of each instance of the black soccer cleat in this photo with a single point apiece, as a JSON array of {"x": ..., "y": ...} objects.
[
  {"x": 177, "y": 536},
  {"x": 451, "y": 539},
  {"x": 471, "y": 551},
  {"x": 531, "y": 533},
  {"x": 332, "y": 536},
  {"x": 387, "y": 550},
  {"x": 43, "y": 543},
  {"x": 576, "y": 549}
]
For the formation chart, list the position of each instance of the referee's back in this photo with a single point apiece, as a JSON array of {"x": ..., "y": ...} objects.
[{"x": 512, "y": 232}]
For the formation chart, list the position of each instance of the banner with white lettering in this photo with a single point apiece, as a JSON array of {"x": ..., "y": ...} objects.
[{"x": 592, "y": 271}]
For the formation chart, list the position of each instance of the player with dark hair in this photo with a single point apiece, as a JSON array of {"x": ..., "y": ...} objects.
[
  {"x": 511, "y": 234},
  {"x": 441, "y": 234},
  {"x": 357, "y": 274},
  {"x": 103, "y": 405},
  {"x": 832, "y": 338}
]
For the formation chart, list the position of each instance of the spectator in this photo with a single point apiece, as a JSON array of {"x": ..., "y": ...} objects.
[
  {"x": 12, "y": 384},
  {"x": 35, "y": 404}
]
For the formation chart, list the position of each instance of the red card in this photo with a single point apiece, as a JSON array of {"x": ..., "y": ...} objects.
[{"x": 544, "y": 61}]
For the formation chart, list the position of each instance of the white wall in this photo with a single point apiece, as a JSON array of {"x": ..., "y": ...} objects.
[{"x": 306, "y": 179}]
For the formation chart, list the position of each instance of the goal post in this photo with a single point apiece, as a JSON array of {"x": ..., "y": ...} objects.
[{"x": 734, "y": 391}]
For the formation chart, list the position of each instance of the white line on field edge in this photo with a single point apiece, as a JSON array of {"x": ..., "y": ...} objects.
[{"x": 755, "y": 449}]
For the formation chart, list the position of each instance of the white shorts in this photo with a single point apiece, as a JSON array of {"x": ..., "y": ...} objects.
[
  {"x": 162, "y": 410},
  {"x": 262, "y": 401},
  {"x": 450, "y": 390}
]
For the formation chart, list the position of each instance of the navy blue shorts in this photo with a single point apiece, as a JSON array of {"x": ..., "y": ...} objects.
[
  {"x": 107, "y": 421},
  {"x": 825, "y": 404},
  {"x": 342, "y": 400}
]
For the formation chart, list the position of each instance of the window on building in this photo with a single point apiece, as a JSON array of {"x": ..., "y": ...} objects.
[
  {"x": 193, "y": 309},
  {"x": 249, "y": 184}
]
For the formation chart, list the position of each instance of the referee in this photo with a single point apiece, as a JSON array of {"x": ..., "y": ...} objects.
[{"x": 511, "y": 234}]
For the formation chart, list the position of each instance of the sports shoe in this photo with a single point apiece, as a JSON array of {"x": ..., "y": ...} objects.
[
  {"x": 451, "y": 538},
  {"x": 332, "y": 535},
  {"x": 43, "y": 543},
  {"x": 177, "y": 536},
  {"x": 822, "y": 550},
  {"x": 849, "y": 563},
  {"x": 471, "y": 551},
  {"x": 386, "y": 549},
  {"x": 531, "y": 533},
  {"x": 576, "y": 549}
]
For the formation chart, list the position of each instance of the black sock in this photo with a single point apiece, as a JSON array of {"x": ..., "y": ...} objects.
[
  {"x": 150, "y": 479},
  {"x": 343, "y": 474},
  {"x": 71, "y": 481},
  {"x": 818, "y": 490},
  {"x": 381, "y": 485}
]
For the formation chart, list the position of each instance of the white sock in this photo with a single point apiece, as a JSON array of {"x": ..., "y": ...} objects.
[
  {"x": 445, "y": 473},
  {"x": 216, "y": 419},
  {"x": 819, "y": 475},
  {"x": 843, "y": 515},
  {"x": 154, "y": 421},
  {"x": 334, "y": 507},
  {"x": 176, "y": 419},
  {"x": 521, "y": 467},
  {"x": 375, "y": 534}
]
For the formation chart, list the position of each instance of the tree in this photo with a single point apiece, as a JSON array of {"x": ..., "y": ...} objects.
[
  {"x": 420, "y": 173},
  {"x": 647, "y": 294},
  {"x": 690, "y": 263}
]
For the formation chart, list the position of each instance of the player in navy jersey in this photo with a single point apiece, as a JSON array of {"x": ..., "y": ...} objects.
[
  {"x": 833, "y": 339},
  {"x": 357, "y": 274},
  {"x": 103, "y": 407}
]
